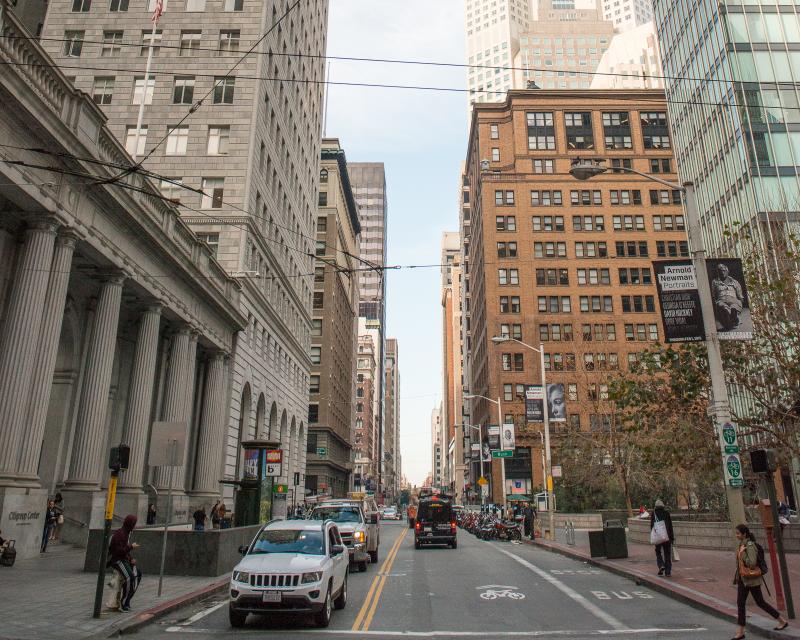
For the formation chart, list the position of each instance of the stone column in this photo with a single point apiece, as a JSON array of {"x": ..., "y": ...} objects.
[
  {"x": 87, "y": 449},
  {"x": 140, "y": 397},
  {"x": 211, "y": 439},
  {"x": 42, "y": 379},
  {"x": 183, "y": 481},
  {"x": 174, "y": 408},
  {"x": 19, "y": 340}
]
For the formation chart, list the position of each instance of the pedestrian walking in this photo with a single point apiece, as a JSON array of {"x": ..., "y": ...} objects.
[
  {"x": 151, "y": 514},
  {"x": 121, "y": 561},
  {"x": 750, "y": 569},
  {"x": 215, "y": 515},
  {"x": 55, "y": 536},
  {"x": 224, "y": 523},
  {"x": 527, "y": 522},
  {"x": 50, "y": 522},
  {"x": 662, "y": 536},
  {"x": 199, "y": 518}
]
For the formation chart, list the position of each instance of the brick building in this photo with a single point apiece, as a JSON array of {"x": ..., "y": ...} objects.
[
  {"x": 365, "y": 439},
  {"x": 562, "y": 262}
]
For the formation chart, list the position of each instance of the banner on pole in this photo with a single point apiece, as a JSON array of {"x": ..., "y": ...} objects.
[
  {"x": 556, "y": 403},
  {"x": 486, "y": 452},
  {"x": 729, "y": 297},
  {"x": 679, "y": 299},
  {"x": 534, "y": 403},
  {"x": 507, "y": 439},
  {"x": 494, "y": 437}
]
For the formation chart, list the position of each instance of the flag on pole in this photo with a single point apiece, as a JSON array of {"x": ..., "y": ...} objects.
[{"x": 158, "y": 11}]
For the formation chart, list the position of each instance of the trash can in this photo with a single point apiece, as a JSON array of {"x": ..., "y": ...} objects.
[
  {"x": 616, "y": 545},
  {"x": 597, "y": 544}
]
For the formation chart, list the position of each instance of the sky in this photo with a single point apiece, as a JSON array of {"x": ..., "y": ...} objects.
[{"x": 421, "y": 137}]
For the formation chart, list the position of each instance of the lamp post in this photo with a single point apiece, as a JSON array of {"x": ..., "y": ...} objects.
[
  {"x": 548, "y": 479},
  {"x": 480, "y": 457},
  {"x": 720, "y": 405},
  {"x": 469, "y": 396}
]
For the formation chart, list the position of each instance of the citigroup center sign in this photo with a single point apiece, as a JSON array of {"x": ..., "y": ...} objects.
[{"x": 679, "y": 300}]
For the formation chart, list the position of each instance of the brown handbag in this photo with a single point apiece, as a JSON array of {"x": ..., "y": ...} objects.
[{"x": 748, "y": 572}]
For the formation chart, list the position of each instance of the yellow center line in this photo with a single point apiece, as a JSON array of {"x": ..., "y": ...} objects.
[
  {"x": 384, "y": 570},
  {"x": 375, "y": 581}
]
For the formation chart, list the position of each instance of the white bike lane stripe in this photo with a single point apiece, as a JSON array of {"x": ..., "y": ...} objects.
[{"x": 568, "y": 591}]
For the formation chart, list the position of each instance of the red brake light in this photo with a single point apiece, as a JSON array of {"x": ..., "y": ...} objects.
[{"x": 417, "y": 525}]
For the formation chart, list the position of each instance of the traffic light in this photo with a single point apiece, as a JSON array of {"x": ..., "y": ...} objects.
[
  {"x": 763, "y": 460},
  {"x": 119, "y": 457}
]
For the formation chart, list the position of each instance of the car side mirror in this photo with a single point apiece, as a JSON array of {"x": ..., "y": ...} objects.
[
  {"x": 373, "y": 518},
  {"x": 337, "y": 550},
  {"x": 243, "y": 549}
]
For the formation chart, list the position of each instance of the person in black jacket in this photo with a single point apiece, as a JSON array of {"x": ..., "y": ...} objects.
[
  {"x": 120, "y": 559},
  {"x": 664, "y": 563},
  {"x": 50, "y": 521}
]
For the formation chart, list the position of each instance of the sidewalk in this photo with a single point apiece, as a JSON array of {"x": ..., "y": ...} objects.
[
  {"x": 51, "y": 597},
  {"x": 701, "y": 578}
]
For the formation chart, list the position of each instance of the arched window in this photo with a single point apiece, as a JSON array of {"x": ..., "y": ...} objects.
[{"x": 323, "y": 175}]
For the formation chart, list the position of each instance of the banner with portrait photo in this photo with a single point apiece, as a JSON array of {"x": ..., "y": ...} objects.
[
  {"x": 486, "y": 452},
  {"x": 494, "y": 437},
  {"x": 534, "y": 403},
  {"x": 556, "y": 403},
  {"x": 507, "y": 439},
  {"x": 729, "y": 297},
  {"x": 679, "y": 300}
]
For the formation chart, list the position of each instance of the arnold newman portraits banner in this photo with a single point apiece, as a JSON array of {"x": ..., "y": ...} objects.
[{"x": 679, "y": 300}]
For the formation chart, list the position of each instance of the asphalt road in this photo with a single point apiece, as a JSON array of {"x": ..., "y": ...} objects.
[{"x": 480, "y": 590}]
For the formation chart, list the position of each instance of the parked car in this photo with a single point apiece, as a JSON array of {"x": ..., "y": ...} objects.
[
  {"x": 291, "y": 566},
  {"x": 391, "y": 513},
  {"x": 352, "y": 526}
]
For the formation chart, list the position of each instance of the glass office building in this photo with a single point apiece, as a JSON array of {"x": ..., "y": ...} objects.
[{"x": 733, "y": 70}]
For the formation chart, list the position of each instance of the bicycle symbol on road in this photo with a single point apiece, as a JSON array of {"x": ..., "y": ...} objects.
[{"x": 495, "y": 591}]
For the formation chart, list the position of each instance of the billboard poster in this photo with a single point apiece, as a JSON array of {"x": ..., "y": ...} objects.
[
  {"x": 507, "y": 439},
  {"x": 486, "y": 452},
  {"x": 494, "y": 437},
  {"x": 556, "y": 403},
  {"x": 475, "y": 451},
  {"x": 679, "y": 299},
  {"x": 729, "y": 297},
  {"x": 251, "y": 464},
  {"x": 534, "y": 403}
]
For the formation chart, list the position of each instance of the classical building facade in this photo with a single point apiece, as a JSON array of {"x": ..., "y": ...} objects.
[
  {"x": 237, "y": 148},
  {"x": 334, "y": 329},
  {"x": 392, "y": 441},
  {"x": 563, "y": 263},
  {"x": 113, "y": 315}
]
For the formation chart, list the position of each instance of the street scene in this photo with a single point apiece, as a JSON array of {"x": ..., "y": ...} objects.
[{"x": 441, "y": 319}]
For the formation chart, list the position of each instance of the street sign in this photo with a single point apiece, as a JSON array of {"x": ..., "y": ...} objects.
[
  {"x": 729, "y": 440},
  {"x": 280, "y": 488},
  {"x": 736, "y": 482},
  {"x": 272, "y": 470},
  {"x": 733, "y": 467},
  {"x": 503, "y": 453},
  {"x": 482, "y": 481},
  {"x": 556, "y": 471},
  {"x": 322, "y": 451}
]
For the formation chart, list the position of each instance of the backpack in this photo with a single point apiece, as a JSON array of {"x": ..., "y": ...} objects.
[{"x": 761, "y": 560}]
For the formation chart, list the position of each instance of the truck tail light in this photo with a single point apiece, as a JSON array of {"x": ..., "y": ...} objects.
[
  {"x": 453, "y": 526},
  {"x": 417, "y": 525}
]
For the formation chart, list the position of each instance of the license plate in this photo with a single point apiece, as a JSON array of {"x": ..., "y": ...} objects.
[
  {"x": 271, "y": 596},
  {"x": 426, "y": 528}
]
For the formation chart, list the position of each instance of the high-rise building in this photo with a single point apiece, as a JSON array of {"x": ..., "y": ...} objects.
[
  {"x": 334, "y": 329},
  {"x": 392, "y": 439},
  {"x": 245, "y": 142},
  {"x": 492, "y": 30},
  {"x": 437, "y": 445},
  {"x": 632, "y": 61},
  {"x": 627, "y": 14},
  {"x": 563, "y": 263},
  {"x": 562, "y": 46},
  {"x": 743, "y": 158},
  {"x": 365, "y": 439},
  {"x": 369, "y": 188}
]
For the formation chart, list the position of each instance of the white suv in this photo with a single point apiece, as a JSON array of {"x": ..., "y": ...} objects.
[{"x": 291, "y": 566}]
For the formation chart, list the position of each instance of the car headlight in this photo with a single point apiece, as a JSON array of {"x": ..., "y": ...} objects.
[
  {"x": 311, "y": 576},
  {"x": 241, "y": 576},
  {"x": 359, "y": 536}
]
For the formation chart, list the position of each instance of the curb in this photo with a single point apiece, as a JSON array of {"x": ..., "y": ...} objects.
[
  {"x": 665, "y": 589},
  {"x": 152, "y": 614}
]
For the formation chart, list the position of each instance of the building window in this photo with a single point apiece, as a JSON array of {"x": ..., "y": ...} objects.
[
  {"x": 618, "y": 164},
  {"x": 508, "y": 276},
  {"x": 81, "y": 6},
  {"x": 495, "y": 154},
  {"x": 625, "y": 197},
  {"x": 541, "y": 165},
  {"x": 552, "y": 277},
  {"x": 177, "y": 141},
  {"x": 102, "y": 90},
  {"x": 223, "y": 90},
  {"x": 547, "y": 223},
  {"x": 628, "y": 223},
  {"x": 322, "y": 200},
  {"x": 190, "y": 43},
  {"x": 660, "y": 165},
  {"x": 506, "y": 223},
  {"x": 313, "y": 385},
  {"x": 112, "y": 44},
  {"x": 585, "y": 198},
  {"x": 210, "y": 239},
  {"x": 218, "y": 138},
  {"x": 316, "y": 355},
  {"x": 617, "y": 130},
  {"x": 545, "y": 198},
  {"x": 506, "y": 249},
  {"x": 139, "y": 90},
  {"x": 503, "y": 197},
  {"x": 668, "y": 223},
  {"x": 635, "y": 275},
  {"x": 655, "y": 131},
  {"x": 322, "y": 224},
  {"x": 591, "y": 250},
  {"x": 549, "y": 249},
  {"x": 638, "y": 304},
  {"x": 554, "y": 304},
  {"x": 631, "y": 249},
  {"x": 593, "y": 276},
  {"x": 320, "y": 247},
  {"x": 195, "y": 5},
  {"x": 511, "y": 331},
  {"x": 541, "y": 132},
  {"x": 316, "y": 328},
  {"x": 579, "y": 130},
  {"x": 228, "y": 40},
  {"x": 313, "y": 414},
  {"x": 234, "y": 5},
  {"x": 118, "y": 5},
  {"x": 494, "y": 131},
  {"x": 319, "y": 300},
  {"x": 73, "y": 43},
  {"x": 130, "y": 140},
  {"x": 213, "y": 190},
  {"x": 171, "y": 189},
  {"x": 596, "y": 304},
  {"x": 149, "y": 38}
]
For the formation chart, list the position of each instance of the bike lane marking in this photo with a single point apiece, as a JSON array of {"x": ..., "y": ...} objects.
[{"x": 568, "y": 591}]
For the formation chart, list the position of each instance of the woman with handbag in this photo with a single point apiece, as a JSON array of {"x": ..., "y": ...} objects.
[
  {"x": 748, "y": 580},
  {"x": 662, "y": 536}
]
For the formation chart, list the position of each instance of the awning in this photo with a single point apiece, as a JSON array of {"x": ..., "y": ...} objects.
[{"x": 518, "y": 497}]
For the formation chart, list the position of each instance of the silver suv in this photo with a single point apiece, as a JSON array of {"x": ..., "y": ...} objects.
[
  {"x": 291, "y": 566},
  {"x": 349, "y": 518}
]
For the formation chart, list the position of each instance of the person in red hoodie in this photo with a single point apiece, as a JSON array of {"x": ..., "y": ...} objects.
[{"x": 119, "y": 559}]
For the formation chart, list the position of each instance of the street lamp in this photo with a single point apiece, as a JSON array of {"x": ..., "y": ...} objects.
[
  {"x": 548, "y": 458},
  {"x": 480, "y": 457},
  {"x": 469, "y": 396},
  {"x": 720, "y": 406}
]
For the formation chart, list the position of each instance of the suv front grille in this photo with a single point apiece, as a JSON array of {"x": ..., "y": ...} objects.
[
  {"x": 347, "y": 538},
  {"x": 274, "y": 580}
]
